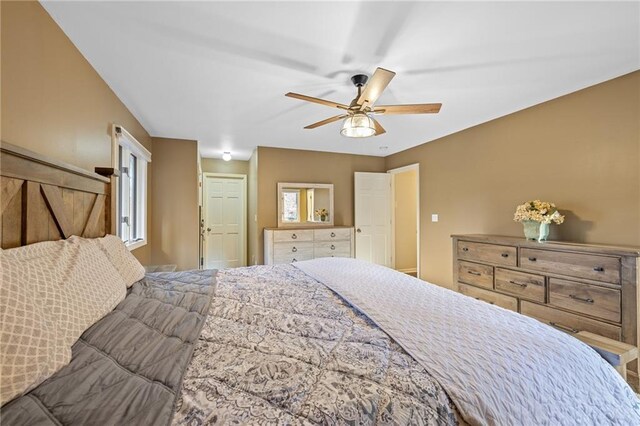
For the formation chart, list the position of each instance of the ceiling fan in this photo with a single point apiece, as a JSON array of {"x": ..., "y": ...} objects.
[{"x": 358, "y": 122}]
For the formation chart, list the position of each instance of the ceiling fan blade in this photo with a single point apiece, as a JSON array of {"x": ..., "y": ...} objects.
[
  {"x": 374, "y": 88},
  {"x": 317, "y": 100},
  {"x": 327, "y": 121},
  {"x": 408, "y": 109},
  {"x": 379, "y": 129}
]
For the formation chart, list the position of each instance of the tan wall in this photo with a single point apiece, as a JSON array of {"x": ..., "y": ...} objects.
[
  {"x": 53, "y": 101},
  {"x": 406, "y": 224},
  {"x": 581, "y": 151},
  {"x": 215, "y": 165},
  {"x": 174, "y": 200},
  {"x": 252, "y": 209},
  {"x": 290, "y": 165}
]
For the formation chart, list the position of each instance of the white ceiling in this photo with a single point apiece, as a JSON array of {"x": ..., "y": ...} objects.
[{"x": 218, "y": 71}]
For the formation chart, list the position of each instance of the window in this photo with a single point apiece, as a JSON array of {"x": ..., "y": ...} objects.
[
  {"x": 130, "y": 159},
  {"x": 290, "y": 204}
]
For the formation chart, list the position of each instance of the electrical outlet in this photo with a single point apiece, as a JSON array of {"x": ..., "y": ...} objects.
[{"x": 434, "y": 217}]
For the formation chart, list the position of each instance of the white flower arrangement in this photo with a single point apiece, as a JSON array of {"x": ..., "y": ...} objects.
[{"x": 538, "y": 211}]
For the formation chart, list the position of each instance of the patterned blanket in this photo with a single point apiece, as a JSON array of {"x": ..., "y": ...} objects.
[{"x": 278, "y": 347}]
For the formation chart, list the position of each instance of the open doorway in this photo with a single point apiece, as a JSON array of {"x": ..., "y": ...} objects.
[{"x": 405, "y": 219}]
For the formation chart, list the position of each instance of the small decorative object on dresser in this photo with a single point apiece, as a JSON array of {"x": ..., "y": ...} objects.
[
  {"x": 322, "y": 214},
  {"x": 572, "y": 287},
  {"x": 536, "y": 216},
  {"x": 292, "y": 245}
]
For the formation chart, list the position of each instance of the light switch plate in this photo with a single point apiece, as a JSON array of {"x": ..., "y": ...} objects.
[{"x": 434, "y": 218}]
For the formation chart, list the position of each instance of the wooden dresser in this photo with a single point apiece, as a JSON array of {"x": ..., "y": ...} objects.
[
  {"x": 573, "y": 287},
  {"x": 287, "y": 245}
]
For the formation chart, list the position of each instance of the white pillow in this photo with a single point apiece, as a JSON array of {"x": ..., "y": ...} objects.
[
  {"x": 51, "y": 292},
  {"x": 127, "y": 265},
  {"x": 31, "y": 350}
]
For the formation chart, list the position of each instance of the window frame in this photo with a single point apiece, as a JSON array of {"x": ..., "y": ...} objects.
[{"x": 125, "y": 146}]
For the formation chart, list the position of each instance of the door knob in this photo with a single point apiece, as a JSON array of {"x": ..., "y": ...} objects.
[{"x": 358, "y": 230}]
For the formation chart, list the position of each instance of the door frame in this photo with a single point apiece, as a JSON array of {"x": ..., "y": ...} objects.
[
  {"x": 393, "y": 172},
  {"x": 243, "y": 241}
]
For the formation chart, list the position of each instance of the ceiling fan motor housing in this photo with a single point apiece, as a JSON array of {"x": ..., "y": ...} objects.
[{"x": 359, "y": 80}]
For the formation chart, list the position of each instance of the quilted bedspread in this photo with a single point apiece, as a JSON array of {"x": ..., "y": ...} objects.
[
  {"x": 499, "y": 367},
  {"x": 278, "y": 347},
  {"x": 126, "y": 369}
]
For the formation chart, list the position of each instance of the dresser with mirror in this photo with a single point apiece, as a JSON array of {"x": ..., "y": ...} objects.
[{"x": 306, "y": 228}]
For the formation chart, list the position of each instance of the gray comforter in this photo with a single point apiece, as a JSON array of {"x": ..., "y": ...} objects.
[
  {"x": 278, "y": 347},
  {"x": 128, "y": 367}
]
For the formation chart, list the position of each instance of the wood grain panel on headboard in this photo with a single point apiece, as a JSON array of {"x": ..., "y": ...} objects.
[{"x": 42, "y": 199}]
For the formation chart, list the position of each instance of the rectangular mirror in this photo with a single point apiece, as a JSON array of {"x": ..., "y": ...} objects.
[{"x": 305, "y": 204}]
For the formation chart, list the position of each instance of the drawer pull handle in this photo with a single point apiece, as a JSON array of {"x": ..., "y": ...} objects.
[
  {"x": 523, "y": 285},
  {"x": 294, "y": 236},
  {"x": 581, "y": 299},
  {"x": 532, "y": 259},
  {"x": 333, "y": 247},
  {"x": 333, "y": 234},
  {"x": 474, "y": 273},
  {"x": 504, "y": 255},
  {"x": 485, "y": 301},
  {"x": 563, "y": 327},
  {"x": 294, "y": 260},
  {"x": 465, "y": 248},
  {"x": 294, "y": 249},
  {"x": 598, "y": 269}
]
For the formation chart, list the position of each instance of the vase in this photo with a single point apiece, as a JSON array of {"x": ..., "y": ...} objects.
[
  {"x": 537, "y": 231},
  {"x": 323, "y": 218}
]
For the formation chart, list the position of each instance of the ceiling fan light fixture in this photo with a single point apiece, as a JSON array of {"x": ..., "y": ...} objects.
[{"x": 358, "y": 125}]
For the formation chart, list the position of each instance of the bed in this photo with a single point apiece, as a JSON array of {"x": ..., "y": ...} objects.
[{"x": 327, "y": 341}]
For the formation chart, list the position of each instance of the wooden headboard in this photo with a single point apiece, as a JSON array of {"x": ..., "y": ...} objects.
[{"x": 42, "y": 199}]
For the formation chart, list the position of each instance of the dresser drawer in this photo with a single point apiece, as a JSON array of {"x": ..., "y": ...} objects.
[
  {"x": 298, "y": 248},
  {"x": 599, "y": 268},
  {"x": 332, "y": 249},
  {"x": 293, "y": 235},
  {"x": 332, "y": 234},
  {"x": 291, "y": 258},
  {"x": 491, "y": 297},
  {"x": 475, "y": 273},
  {"x": 570, "y": 323},
  {"x": 492, "y": 253},
  {"x": 521, "y": 284},
  {"x": 585, "y": 298}
]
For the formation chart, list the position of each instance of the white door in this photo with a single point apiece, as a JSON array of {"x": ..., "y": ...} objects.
[
  {"x": 373, "y": 217},
  {"x": 224, "y": 217}
]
